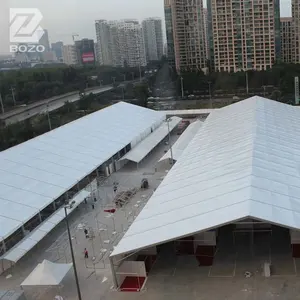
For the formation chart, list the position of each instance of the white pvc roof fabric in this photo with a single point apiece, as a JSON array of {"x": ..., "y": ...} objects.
[
  {"x": 150, "y": 142},
  {"x": 183, "y": 141},
  {"x": 47, "y": 273},
  {"x": 38, "y": 171},
  {"x": 189, "y": 112},
  {"x": 27, "y": 243},
  {"x": 243, "y": 162}
]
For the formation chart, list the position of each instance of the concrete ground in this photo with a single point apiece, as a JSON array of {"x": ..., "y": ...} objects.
[{"x": 172, "y": 277}]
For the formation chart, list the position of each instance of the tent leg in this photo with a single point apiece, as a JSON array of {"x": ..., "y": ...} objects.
[{"x": 113, "y": 272}]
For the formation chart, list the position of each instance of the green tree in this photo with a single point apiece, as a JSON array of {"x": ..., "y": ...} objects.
[{"x": 141, "y": 93}]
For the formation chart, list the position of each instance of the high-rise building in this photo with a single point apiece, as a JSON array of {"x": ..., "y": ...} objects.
[
  {"x": 296, "y": 28},
  {"x": 104, "y": 43},
  {"x": 185, "y": 19},
  {"x": 165, "y": 49},
  {"x": 120, "y": 43},
  {"x": 244, "y": 34},
  {"x": 69, "y": 54},
  {"x": 49, "y": 56},
  {"x": 85, "y": 49},
  {"x": 131, "y": 47},
  {"x": 287, "y": 40},
  {"x": 169, "y": 32},
  {"x": 57, "y": 48},
  {"x": 45, "y": 40},
  {"x": 153, "y": 36},
  {"x": 205, "y": 22}
]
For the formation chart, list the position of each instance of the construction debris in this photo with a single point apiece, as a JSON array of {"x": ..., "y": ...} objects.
[
  {"x": 247, "y": 274},
  {"x": 123, "y": 198},
  {"x": 144, "y": 183}
]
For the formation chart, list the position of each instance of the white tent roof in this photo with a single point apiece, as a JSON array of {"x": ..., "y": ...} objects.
[
  {"x": 38, "y": 171},
  {"x": 47, "y": 273},
  {"x": 189, "y": 112},
  {"x": 150, "y": 142},
  {"x": 27, "y": 243},
  {"x": 243, "y": 162},
  {"x": 183, "y": 141}
]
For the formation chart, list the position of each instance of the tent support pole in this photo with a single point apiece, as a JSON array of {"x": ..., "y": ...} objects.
[
  {"x": 40, "y": 217},
  {"x": 72, "y": 254},
  {"x": 113, "y": 272}
]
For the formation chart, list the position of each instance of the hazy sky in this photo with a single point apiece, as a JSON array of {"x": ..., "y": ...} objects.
[{"x": 62, "y": 18}]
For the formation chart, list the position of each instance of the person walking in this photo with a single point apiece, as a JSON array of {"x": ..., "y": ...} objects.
[
  {"x": 86, "y": 233},
  {"x": 86, "y": 253}
]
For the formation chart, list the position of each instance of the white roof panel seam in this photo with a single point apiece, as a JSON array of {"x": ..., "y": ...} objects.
[
  {"x": 28, "y": 165},
  {"x": 18, "y": 188},
  {"x": 14, "y": 173},
  {"x": 183, "y": 219},
  {"x": 148, "y": 208},
  {"x": 166, "y": 183},
  {"x": 56, "y": 154},
  {"x": 26, "y": 205},
  {"x": 43, "y": 160},
  {"x": 83, "y": 147},
  {"x": 202, "y": 190}
]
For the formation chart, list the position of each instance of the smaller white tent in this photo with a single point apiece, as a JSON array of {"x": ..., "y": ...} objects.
[{"x": 47, "y": 273}]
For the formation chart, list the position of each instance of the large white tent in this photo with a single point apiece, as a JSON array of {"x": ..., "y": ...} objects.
[
  {"x": 183, "y": 141},
  {"x": 35, "y": 173},
  {"x": 47, "y": 273},
  {"x": 243, "y": 162},
  {"x": 32, "y": 239}
]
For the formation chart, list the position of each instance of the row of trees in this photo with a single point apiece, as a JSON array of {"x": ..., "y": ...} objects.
[
  {"x": 22, "y": 131},
  {"x": 30, "y": 85},
  {"x": 279, "y": 80}
]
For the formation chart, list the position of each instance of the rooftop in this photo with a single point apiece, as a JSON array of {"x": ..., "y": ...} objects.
[
  {"x": 35, "y": 173},
  {"x": 243, "y": 162}
]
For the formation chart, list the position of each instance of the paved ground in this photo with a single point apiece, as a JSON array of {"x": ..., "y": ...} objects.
[{"x": 172, "y": 277}]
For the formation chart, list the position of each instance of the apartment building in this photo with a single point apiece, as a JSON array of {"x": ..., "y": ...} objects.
[
  {"x": 296, "y": 28},
  {"x": 130, "y": 44},
  {"x": 120, "y": 43},
  {"x": 188, "y": 33},
  {"x": 245, "y": 34},
  {"x": 104, "y": 44},
  {"x": 57, "y": 48},
  {"x": 205, "y": 22},
  {"x": 69, "y": 54},
  {"x": 169, "y": 32},
  {"x": 85, "y": 49},
  {"x": 287, "y": 40},
  {"x": 153, "y": 37}
]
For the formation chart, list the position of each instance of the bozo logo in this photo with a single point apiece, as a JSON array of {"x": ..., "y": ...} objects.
[{"x": 25, "y": 28}]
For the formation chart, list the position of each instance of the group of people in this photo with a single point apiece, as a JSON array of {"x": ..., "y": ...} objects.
[{"x": 86, "y": 252}]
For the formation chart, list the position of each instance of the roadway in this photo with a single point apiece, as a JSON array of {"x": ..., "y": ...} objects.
[{"x": 26, "y": 112}]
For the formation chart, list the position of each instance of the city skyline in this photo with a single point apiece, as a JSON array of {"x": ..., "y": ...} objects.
[{"x": 90, "y": 10}]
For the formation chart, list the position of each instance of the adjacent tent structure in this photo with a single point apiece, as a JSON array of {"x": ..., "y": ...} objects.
[
  {"x": 47, "y": 273},
  {"x": 32, "y": 239},
  {"x": 149, "y": 143},
  {"x": 242, "y": 163},
  {"x": 36, "y": 176},
  {"x": 42, "y": 169},
  {"x": 183, "y": 141},
  {"x": 190, "y": 113}
]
